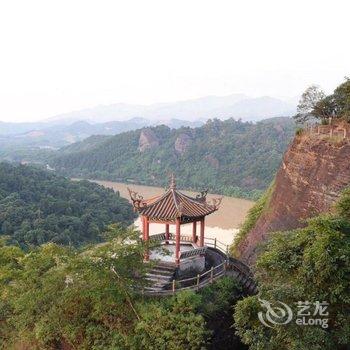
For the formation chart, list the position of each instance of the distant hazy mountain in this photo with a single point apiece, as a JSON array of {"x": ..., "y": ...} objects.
[
  {"x": 236, "y": 106},
  {"x": 65, "y": 129},
  {"x": 53, "y": 135},
  {"x": 18, "y": 128},
  {"x": 255, "y": 109}
]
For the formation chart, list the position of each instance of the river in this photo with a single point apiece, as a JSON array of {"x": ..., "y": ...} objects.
[{"x": 223, "y": 224}]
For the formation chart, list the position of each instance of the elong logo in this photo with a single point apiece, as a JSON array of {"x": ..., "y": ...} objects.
[
  {"x": 278, "y": 315},
  {"x": 282, "y": 314}
]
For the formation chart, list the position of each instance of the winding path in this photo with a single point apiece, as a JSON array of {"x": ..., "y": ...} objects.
[{"x": 222, "y": 265}]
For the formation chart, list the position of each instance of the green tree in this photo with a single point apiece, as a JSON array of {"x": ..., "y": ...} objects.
[
  {"x": 341, "y": 98},
  {"x": 171, "y": 325},
  {"x": 313, "y": 105}
]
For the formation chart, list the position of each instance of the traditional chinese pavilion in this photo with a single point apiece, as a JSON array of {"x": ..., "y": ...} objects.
[{"x": 174, "y": 208}]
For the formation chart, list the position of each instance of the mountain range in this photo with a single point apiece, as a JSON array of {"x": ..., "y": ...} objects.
[
  {"x": 50, "y": 135},
  {"x": 19, "y": 140},
  {"x": 222, "y": 107}
]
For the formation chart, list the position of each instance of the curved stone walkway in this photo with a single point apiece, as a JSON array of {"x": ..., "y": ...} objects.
[{"x": 222, "y": 265}]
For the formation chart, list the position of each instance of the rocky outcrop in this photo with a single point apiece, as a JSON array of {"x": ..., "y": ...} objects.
[
  {"x": 314, "y": 171},
  {"x": 182, "y": 143},
  {"x": 212, "y": 161},
  {"x": 147, "y": 140}
]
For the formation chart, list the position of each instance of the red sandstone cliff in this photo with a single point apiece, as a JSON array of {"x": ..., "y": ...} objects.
[{"x": 315, "y": 169}]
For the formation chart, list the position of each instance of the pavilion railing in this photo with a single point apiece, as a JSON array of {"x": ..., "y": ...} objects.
[
  {"x": 193, "y": 283},
  {"x": 193, "y": 252},
  {"x": 208, "y": 277},
  {"x": 183, "y": 238},
  {"x": 209, "y": 242},
  {"x": 215, "y": 243},
  {"x": 229, "y": 266},
  {"x": 157, "y": 237}
]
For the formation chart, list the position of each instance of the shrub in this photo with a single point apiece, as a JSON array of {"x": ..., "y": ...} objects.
[{"x": 299, "y": 131}]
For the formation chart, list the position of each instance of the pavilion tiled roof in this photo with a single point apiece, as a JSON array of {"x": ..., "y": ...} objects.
[{"x": 174, "y": 204}]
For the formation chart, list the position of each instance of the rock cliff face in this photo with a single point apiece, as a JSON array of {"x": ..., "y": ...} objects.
[
  {"x": 148, "y": 140},
  {"x": 212, "y": 161},
  {"x": 315, "y": 169},
  {"x": 182, "y": 143}
]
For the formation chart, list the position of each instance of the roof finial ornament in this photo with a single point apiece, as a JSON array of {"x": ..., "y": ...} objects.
[{"x": 172, "y": 181}]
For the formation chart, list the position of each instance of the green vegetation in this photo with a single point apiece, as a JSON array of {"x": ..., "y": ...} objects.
[
  {"x": 309, "y": 264},
  {"x": 171, "y": 324},
  {"x": 55, "y": 296},
  {"x": 25, "y": 154},
  {"x": 299, "y": 131},
  {"x": 59, "y": 297},
  {"x": 230, "y": 157},
  {"x": 37, "y": 207},
  {"x": 343, "y": 205},
  {"x": 315, "y": 104},
  {"x": 217, "y": 302},
  {"x": 252, "y": 217}
]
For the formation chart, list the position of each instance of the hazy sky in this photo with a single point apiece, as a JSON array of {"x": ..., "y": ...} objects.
[{"x": 58, "y": 56}]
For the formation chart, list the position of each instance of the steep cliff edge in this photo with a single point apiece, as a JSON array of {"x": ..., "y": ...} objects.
[{"x": 314, "y": 171}]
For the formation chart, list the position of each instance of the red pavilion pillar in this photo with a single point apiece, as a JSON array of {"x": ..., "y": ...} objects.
[
  {"x": 201, "y": 238},
  {"x": 177, "y": 242},
  {"x": 194, "y": 232},
  {"x": 143, "y": 227},
  {"x": 166, "y": 233},
  {"x": 146, "y": 237}
]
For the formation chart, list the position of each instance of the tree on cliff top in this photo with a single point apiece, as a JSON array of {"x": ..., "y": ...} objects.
[
  {"x": 314, "y": 104},
  {"x": 342, "y": 99}
]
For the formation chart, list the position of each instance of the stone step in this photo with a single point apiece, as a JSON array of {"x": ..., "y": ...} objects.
[
  {"x": 157, "y": 285},
  {"x": 167, "y": 268},
  {"x": 159, "y": 277},
  {"x": 156, "y": 271}
]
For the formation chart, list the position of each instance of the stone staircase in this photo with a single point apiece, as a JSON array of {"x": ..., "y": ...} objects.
[{"x": 160, "y": 277}]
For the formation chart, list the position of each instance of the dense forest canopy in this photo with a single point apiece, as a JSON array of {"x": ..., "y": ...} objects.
[
  {"x": 59, "y": 297},
  {"x": 228, "y": 157},
  {"x": 37, "y": 207}
]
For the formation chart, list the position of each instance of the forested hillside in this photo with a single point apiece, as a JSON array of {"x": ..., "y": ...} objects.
[
  {"x": 37, "y": 207},
  {"x": 229, "y": 157}
]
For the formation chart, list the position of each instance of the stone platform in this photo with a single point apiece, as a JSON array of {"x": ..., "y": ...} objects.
[{"x": 165, "y": 254}]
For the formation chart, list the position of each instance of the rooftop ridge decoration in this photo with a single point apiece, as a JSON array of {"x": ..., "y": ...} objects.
[
  {"x": 172, "y": 182},
  {"x": 202, "y": 195},
  {"x": 173, "y": 205},
  {"x": 215, "y": 202},
  {"x": 137, "y": 200}
]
